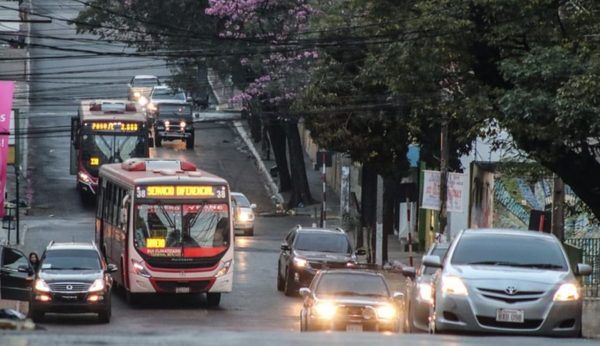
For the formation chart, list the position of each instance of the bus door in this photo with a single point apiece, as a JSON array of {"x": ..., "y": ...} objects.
[{"x": 74, "y": 145}]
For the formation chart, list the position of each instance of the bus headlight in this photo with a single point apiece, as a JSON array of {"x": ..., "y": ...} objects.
[
  {"x": 224, "y": 269},
  {"x": 84, "y": 177},
  {"x": 139, "y": 269}
]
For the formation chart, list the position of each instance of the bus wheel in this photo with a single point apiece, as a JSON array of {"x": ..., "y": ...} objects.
[
  {"x": 213, "y": 299},
  {"x": 131, "y": 298}
]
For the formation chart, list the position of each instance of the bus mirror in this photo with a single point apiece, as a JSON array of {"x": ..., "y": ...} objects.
[{"x": 74, "y": 132}]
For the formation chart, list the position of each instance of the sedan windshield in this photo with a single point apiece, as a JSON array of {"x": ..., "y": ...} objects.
[
  {"x": 340, "y": 284},
  {"x": 71, "y": 260},
  {"x": 168, "y": 230},
  {"x": 322, "y": 242},
  {"x": 241, "y": 200},
  {"x": 509, "y": 250}
]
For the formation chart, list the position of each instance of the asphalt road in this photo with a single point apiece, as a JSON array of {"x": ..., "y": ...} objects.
[{"x": 254, "y": 313}]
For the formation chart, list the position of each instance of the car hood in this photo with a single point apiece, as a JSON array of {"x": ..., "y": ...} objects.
[
  {"x": 479, "y": 273},
  {"x": 324, "y": 256},
  {"x": 70, "y": 275},
  {"x": 355, "y": 300}
]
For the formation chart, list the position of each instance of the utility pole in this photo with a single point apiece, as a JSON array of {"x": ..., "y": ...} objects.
[
  {"x": 558, "y": 211},
  {"x": 444, "y": 154}
]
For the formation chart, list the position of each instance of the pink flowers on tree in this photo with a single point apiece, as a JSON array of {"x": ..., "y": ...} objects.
[{"x": 271, "y": 33}]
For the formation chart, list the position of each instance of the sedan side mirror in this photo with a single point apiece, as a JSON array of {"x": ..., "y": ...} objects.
[
  {"x": 304, "y": 292},
  {"x": 432, "y": 261},
  {"x": 583, "y": 269},
  {"x": 409, "y": 272},
  {"x": 360, "y": 252},
  {"x": 111, "y": 268},
  {"x": 285, "y": 247}
]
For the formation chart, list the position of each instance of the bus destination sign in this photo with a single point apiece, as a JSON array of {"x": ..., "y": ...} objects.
[
  {"x": 180, "y": 191},
  {"x": 114, "y": 126}
]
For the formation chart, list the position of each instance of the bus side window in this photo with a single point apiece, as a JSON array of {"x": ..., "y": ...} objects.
[{"x": 100, "y": 199}]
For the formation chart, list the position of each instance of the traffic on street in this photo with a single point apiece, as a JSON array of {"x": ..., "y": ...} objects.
[{"x": 228, "y": 172}]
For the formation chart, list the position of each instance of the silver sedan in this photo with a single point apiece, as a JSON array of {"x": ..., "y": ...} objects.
[{"x": 506, "y": 282}]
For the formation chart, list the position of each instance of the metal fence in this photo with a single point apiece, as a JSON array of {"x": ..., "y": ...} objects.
[{"x": 591, "y": 255}]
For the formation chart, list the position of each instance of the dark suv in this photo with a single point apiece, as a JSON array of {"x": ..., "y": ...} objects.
[
  {"x": 174, "y": 121},
  {"x": 307, "y": 250},
  {"x": 72, "y": 278}
]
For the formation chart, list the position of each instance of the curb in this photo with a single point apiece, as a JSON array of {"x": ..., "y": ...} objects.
[{"x": 270, "y": 185}]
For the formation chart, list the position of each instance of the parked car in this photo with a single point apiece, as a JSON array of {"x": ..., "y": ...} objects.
[
  {"x": 72, "y": 278},
  {"x": 304, "y": 251},
  {"x": 243, "y": 213},
  {"x": 141, "y": 85},
  {"x": 174, "y": 121},
  {"x": 506, "y": 282},
  {"x": 350, "y": 300},
  {"x": 418, "y": 291}
]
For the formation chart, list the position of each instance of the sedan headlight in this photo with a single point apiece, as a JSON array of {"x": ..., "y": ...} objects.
[
  {"x": 424, "y": 292},
  {"x": 245, "y": 216},
  {"x": 324, "y": 310},
  {"x": 300, "y": 262},
  {"x": 41, "y": 286},
  {"x": 151, "y": 107},
  {"x": 142, "y": 101},
  {"x": 454, "y": 286},
  {"x": 98, "y": 285},
  {"x": 386, "y": 312},
  {"x": 136, "y": 94},
  {"x": 566, "y": 293}
]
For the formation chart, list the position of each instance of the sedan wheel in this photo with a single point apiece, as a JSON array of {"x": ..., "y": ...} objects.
[{"x": 289, "y": 287}]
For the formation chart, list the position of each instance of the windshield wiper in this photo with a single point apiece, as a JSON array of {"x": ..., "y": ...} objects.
[
  {"x": 540, "y": 265},
  {"x": 495, "y": 263}
]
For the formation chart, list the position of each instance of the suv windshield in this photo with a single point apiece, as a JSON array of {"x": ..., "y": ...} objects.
[
  {"x": 168, "y": 111},
  {"x": 167, "y": 94},
  {"x": 71, "y": 259},
  {"x": 509, "y": 250},
  {"x": 351, "y": 284},
  {"x": 322, "y": 242}
]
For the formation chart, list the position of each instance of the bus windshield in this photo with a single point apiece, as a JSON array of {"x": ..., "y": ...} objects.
[
  {"x": 98, "y": 149},
  {"x": 182, "y": 230}
]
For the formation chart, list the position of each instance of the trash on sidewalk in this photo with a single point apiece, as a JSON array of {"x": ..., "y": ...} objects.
[{"x": 11, "y": 319}]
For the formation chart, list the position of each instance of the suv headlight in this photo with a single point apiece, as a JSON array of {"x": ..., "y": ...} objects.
[
  {"x": 41, "y": 286},
  {"x": 453, "y": 285},
  {"x": 386, "y": 312},
  {"x": 566, "y": 293},
  {"x": 325, "y": 310},
  {"x": 300, "y": 262},
  {"x": 97, "y": 286}
]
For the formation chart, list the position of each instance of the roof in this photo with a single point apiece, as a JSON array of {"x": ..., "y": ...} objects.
[
  {"x": 353, "y": 272},
  {"x": 507, "y": 231},
  {"x": 115, "y": 171},
  {"x": 71, "y": 246},
  {"x": 111, "y": 114},
  {"x": 145, "y": 76}
]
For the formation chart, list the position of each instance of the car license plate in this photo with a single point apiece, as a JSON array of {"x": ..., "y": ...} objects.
[
  {"x": 510, "y": 315},
  {"x": 354, "y": 328},
  {"x": 182, "y": 290}
]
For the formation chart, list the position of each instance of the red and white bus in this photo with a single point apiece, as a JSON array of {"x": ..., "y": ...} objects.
[
  {"x": 168, "y": 227},
  {"x": 105, "y": 131}
]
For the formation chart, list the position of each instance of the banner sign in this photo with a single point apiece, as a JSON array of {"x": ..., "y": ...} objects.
[
  {"x": 431, "y": 191},
  {"x": 6, "y": 98}
]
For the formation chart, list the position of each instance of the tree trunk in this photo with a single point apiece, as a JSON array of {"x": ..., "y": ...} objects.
[
  {"x": 300, "y": 188},
  {"x": 278, "y": 144},
  {"x": 390, "y": 191},
  {"x": 255, "y": 125},
  {"x": 368, "y": 201}
]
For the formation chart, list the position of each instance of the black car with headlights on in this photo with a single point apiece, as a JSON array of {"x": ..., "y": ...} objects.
[
  {"x": 350, "y": 300},
  {"x": 304, "y": 251},
  {"x": 174, "y": 121},
  {"x": 72, "y": 278}
]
